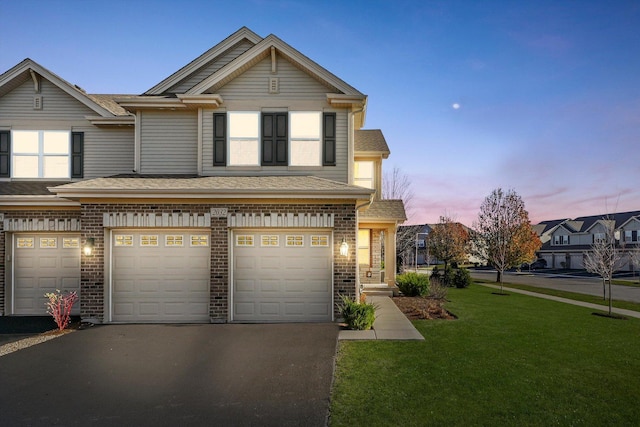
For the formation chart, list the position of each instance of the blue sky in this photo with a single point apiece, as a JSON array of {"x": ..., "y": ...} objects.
[{"x": 548, "y": 92}]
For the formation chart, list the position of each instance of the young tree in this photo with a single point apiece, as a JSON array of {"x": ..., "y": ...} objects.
[
  {"x": 503, "y": 235},
  {"x": 605, "y": 257},
  {"x": 634, "y": 258},
  {"x": 396, "y": 185},
  {"x": 449, "y": 241}
]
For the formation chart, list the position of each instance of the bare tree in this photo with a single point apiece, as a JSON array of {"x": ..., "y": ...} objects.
[
  {"x": 396, "y": 185},
  {"x": 634, "y": 259},
  {"x": 406, "y": 242},
  {"x": 502, "y": 233},
  {"x": 604, "y": 258}
]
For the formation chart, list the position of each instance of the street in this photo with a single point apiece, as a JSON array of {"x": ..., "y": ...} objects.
[{"x": 583, "y": 285}]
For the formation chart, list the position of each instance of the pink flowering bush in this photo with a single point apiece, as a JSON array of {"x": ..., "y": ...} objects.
[{"x": 59, "y": 306}]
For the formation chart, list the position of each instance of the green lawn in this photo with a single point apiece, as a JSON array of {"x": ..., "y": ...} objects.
[{"x": 508, "y": 360}]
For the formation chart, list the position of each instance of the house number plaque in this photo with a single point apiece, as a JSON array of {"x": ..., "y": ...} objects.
[{"x": 219, "y": 212}]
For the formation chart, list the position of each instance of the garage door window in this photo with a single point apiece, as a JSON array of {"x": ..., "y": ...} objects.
[
  {"x": 70, "y": 242},
  {"x": 149, "y": 240},
  {"x": 296, "y": 241},
  {"x": 244, "y": 240},
  {"x": 125, "y": 240},
  {"x": 25, "y": 242},
  {"x": 199, "y": 240},
  {"x": 269, "y": 240},
  {"x": 48, "y": 243},
  {"x": 319, "y": 241},
  {"x": 173, "y": 240}
]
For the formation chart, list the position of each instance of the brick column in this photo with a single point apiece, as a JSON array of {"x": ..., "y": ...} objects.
[{"x": 92, "y": 280}]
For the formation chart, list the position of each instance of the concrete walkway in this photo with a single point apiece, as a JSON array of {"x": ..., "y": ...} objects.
[
  {"x": 621, "y": 311},
  {"x": 390, "y": 324}
]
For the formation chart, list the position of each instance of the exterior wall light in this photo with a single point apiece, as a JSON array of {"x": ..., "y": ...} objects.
[
  {"x": 88, "y": 246},
  {"x": 344, "y": 248}
]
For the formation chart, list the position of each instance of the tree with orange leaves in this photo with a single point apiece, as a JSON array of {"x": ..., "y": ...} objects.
[{"x": 449, "y": 241}]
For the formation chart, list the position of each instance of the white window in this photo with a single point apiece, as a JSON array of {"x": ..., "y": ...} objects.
[
  {"x": 269, "y": 240},
  {"x": 173, "y": 240},
  {"x": 40, "y": 154},
  {"x": 364, "y": 247},
  {"x": 598, "y": 237},
  {"x": 199, "y": 240},
  {"x": 25, "y": 242},
  {"x": 48, "y": 242},
  {"x": 306, "y": 148},
  {"x": 295, "y": 240},
  {"x": 363, "y": 174},
  {"x": 70, "y": 242},
  {"x": 149, "y": 240},
  {"x": 244, "y": 240},
  {"x": 319, "y": 241},
  {"x": 561, "y": 240},
  {"x": 244, "y": 146},
  {"x": 125, "y": 240}
]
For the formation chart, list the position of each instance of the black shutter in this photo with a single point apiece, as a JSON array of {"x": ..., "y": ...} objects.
[
  {"x": 275, "y": 137},
  {"x": 220, "y": 139},
  {"x": 329, "y": 139},
  {"x": 5, "y": 154},
  {"x": 77, "y": 154}
]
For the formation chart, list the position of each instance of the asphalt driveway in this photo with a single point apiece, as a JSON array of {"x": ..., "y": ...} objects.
[{"x": 142, "y": 375}]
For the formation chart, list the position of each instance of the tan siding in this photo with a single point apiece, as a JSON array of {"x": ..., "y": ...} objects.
[
  {"x": 255, "y": 83},
  {"x": 169, "y": 142},
  {"x": 211, "y": 67},
  {"x": 56, "y": 104},
  {"x": 107, "y": 151}
]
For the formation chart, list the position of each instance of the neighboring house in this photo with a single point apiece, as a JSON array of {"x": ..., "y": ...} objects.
[
  {"x": 241, "y": 188},
  {"x": 412, "y": 242},
  {"x": 566, "y": 242}
]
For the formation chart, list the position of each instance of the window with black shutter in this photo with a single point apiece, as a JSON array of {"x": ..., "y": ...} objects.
[
  {"x": 5, "y": 154},
  {"x": 274, "y": 139},
  {"x": 329, "y": 139},
  {"x": 220, "y": 139},
  {"x": 77, "y": 154}
]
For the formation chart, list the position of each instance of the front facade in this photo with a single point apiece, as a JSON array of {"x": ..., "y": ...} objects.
[
  {"x": 242, "y": 188},
  {"x": 565, "y": 243}
]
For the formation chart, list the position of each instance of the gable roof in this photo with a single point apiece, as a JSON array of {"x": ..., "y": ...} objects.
[
  {"x": 371, "y": 141},
  {"x": 31, "y": 70}
]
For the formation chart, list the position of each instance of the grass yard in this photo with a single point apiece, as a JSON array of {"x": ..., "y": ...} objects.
[{"x": 508, "y": 360}]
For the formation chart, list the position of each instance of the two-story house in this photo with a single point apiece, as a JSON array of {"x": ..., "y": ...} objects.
[
  {"x": 566, "y": 242},
  {"x": 241, "y": 188}
]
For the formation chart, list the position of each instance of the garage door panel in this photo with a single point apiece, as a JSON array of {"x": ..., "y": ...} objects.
[
  {"x": 24, "y": 262},
  {"x": 72, "y": 262},
  {"x": 45, "y": 262},
  {"x": 282, "y": 284},
  {"x": 163, "y": 283}
]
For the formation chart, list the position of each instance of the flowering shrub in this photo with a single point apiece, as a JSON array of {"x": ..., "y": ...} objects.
[{"x": 59, "y": 306}]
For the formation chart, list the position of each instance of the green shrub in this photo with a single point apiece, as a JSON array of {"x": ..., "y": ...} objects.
[
  {"x": 413, "y": 284},
  {"x": 462, "y": 278},
  {"x": 447, "y": 277},
  {"x": 357, "y": 315}
]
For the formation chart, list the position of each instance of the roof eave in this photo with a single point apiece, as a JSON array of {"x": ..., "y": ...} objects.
[{"x": 41, "y": 200}]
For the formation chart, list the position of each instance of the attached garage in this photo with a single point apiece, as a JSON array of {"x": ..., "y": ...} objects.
[
  {"x": 160, "y": 276},
  {"x": 44, "y": 263},
  {"x": 282, "y": 276}
]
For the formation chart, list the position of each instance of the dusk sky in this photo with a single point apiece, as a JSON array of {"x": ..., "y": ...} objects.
[{"x": 542, "y": 97}]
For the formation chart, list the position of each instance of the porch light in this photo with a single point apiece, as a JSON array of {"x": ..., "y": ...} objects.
[
  {"x": 344, "y": 248},
  {"x": 88, "y": 246}
]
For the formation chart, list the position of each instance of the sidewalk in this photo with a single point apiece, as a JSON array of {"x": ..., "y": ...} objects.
[
  {"x": 621, "y": 311},
  {"x": 390, "y": 324}
]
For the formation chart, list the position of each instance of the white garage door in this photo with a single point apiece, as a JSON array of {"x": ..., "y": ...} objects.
[
  {"x": 282, "y": 276},
  {"x": 160, "y": 276},
  {"x": 42, "y": 264}
]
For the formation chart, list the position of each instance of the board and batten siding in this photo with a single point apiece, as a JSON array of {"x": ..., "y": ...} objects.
[
  {"x": 16, "y": 108},
  {"x": 169, "y": 142},
  {"x": 211, "y": 67},
  {"x": 293, "y": 83},
  {"x": 335, "y": 173}
]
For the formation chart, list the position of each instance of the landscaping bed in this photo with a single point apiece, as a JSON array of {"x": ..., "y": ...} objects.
[{"x": 422, "y": 308}]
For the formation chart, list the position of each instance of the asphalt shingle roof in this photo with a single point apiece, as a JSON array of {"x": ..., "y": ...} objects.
[
  {"x": 371, "y": 140},
  {"x": 385, "y": 209}
]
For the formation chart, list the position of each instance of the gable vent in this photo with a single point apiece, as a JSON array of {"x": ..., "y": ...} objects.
[
  {"x": 274, "y": 85},
  {"x": 37, "y": 102}
]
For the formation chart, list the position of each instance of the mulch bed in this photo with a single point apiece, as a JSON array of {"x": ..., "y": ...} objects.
[{"x": 419, "y": 308}]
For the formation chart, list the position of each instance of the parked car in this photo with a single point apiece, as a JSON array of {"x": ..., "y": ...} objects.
[{"x": 540, "y": 263}]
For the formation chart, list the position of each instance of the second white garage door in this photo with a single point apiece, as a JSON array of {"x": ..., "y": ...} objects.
[
  {"x": 283, "y": 276},
  {"x": 160, "y": 276}
]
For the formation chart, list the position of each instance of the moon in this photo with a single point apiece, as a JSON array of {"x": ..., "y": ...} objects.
[{"x": 456, "y": 106}]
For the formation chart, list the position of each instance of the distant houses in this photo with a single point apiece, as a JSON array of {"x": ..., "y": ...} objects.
[{"x": 565, "y": 242}]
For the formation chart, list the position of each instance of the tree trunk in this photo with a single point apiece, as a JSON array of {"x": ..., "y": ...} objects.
[
  {"x": 609, "y": 296},
  {"x": 499, "y": 277},
  {"x": 604, "y": 290}
]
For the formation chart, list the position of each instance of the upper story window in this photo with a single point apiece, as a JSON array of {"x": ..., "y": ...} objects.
[
  {"x": 631, "y": 236},
  {"x": 598, "y": 237},
  {"x": 249, "y": 138},
  {"x": 48, "y": 154},
  {"x": 364, "y": 174},
  {"x": 562, "y": 239}
]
